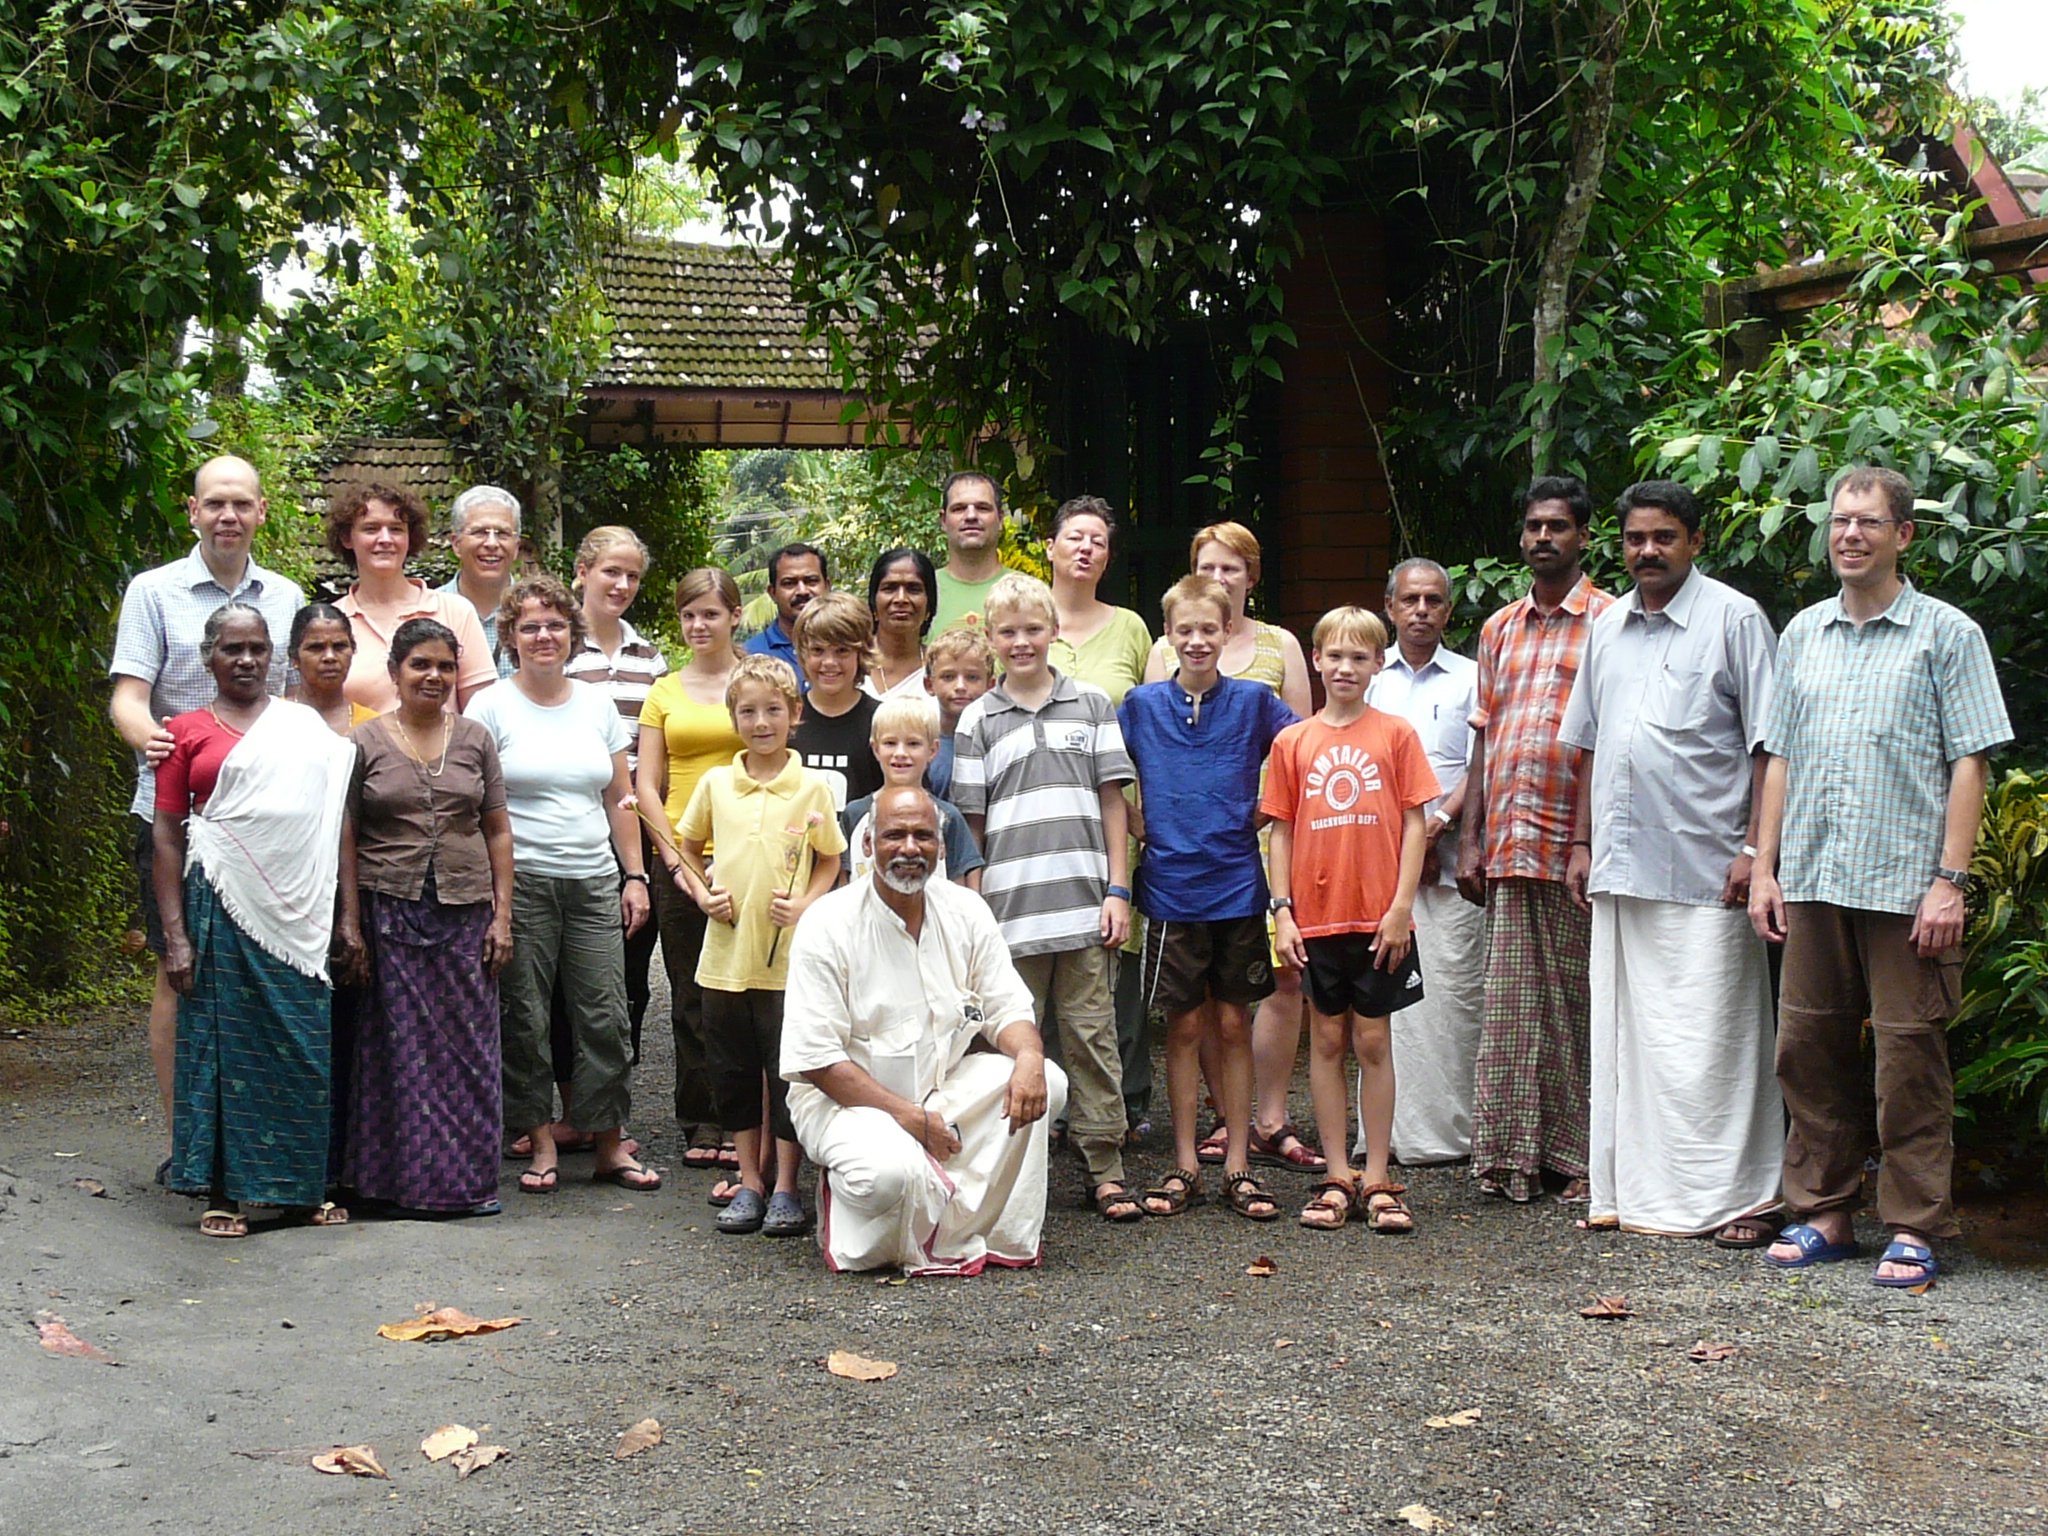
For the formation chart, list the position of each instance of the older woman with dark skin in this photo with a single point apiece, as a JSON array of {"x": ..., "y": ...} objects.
[
  {"x": 578, "y": 886},
  {"x": 322, "y": 649},
  {"x": 374, "y": 529},
  {"x": 255, "y": 788},
  {"x": 434, "y": 862}
]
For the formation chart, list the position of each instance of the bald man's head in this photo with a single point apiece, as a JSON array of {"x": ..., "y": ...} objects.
[
  {"x": 226, "y": 507},
  {"x": 905, "y": 830}
]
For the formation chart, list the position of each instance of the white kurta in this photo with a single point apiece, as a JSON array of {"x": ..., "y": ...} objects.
[
  {"x": 905, "y": 1010},
  {"x": 1687, "y": 1127},
  {"x": 1437, "y": 1040}
]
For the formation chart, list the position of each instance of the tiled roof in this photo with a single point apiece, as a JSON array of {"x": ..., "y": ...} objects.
[{"x": 706, "y": 317}]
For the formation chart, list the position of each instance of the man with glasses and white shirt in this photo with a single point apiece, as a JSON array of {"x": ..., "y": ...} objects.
[
  {"x": 483, "y": 527},
  {"x": 1885, "y": 704}
]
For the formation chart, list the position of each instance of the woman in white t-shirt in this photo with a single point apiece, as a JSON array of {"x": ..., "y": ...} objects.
[{"x": 562, "y": 748}]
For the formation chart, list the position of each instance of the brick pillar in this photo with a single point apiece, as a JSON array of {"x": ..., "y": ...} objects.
[{"x": 1332, "y": 536}]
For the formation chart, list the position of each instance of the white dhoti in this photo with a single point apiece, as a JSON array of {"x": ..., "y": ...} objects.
[
  {"x": 1437, "y": 1040},
  {"x": 1687, "y": 1127},
  {"x": 885, "y": 1201}
]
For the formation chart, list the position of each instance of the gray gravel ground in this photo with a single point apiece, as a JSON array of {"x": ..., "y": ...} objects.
[{"x": 1141, "y": 1378}]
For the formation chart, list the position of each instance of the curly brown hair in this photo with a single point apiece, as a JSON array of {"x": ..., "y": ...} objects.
[
  {"x": 549, "y": 592},
  {"x": 350, "y": 502}
]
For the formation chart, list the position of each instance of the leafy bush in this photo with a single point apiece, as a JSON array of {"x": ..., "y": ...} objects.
[{"x": 2000, "y": 1034}]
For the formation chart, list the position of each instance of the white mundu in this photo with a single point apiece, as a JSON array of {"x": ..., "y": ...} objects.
[{"x": 906, "y": 1011}]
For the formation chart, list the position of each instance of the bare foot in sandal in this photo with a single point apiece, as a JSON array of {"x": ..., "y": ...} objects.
[{"x": 1331, "y": 1205}]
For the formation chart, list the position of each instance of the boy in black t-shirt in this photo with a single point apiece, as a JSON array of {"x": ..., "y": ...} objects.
[{"x": 833, "y": 633}]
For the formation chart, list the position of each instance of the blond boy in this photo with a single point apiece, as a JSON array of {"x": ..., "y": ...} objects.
[
  {"x": 958, "y": 669},
  {"x": 774, "y": 860},
  {"x": 833, "y": 636},
  {"x": 1038, "y": 770},
  {"x": 905, "y": 735},
  {"x": 1345, "y": 791}
]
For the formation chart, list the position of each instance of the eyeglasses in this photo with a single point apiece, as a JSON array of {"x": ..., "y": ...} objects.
[
  {"x": 555, "y": 627},
  {"x": 489, "y": 535},
  {"x": 1860, "y": 524}
]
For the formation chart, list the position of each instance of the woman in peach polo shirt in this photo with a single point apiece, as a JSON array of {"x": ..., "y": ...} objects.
[{"x": 375, "y": 529}]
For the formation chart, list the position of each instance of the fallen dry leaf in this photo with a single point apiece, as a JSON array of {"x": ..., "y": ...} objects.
[
  {"x": 1422, "y": 1517},
  {"x": 643, "y": 1436},
  {"x": 854, "y": 1367},
  {"x": 354, "y": 1460},
  {"x": 1262, "y": 1266},
  {"x": 444, "y": 1323},
  {"x": 60, "y": 1340},
  {"x": 1464, "y": 1418},
  {"x": 446, "y": 1441},
  {"x": 92, "y": 1187},
  {"x": 1608, "y": 1308},
  {"x": 476, "y": 1456},
  {"x": 1283, "y": 1343},
  {"x": 1708, "y": 1353}
]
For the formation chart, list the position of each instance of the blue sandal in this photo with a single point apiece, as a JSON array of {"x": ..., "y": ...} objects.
[
  {"x": 1902, "y": 1252},
  {"x": 745, "y": 1214},
  {"x": 785, "y": 1217},
  {"x": 1814, "y": 1248}
]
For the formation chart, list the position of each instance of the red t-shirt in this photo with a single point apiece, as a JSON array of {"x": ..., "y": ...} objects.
[
  {"x": 185, "y": 780},
  {"x": 1344, "y": 789}
]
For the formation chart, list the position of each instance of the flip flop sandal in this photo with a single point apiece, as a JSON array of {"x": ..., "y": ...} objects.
[
  {"x": 1813, "y": 1246},
  {"x": 701, "y": 1154},
  {"x": 746, "y": 1213},
  {"x": 724, "y": 1192},
  {"x": 1899, "y": 1251},
  {"x": 1274, "y": 1152},
  {"x": 1175, "y": 1200},
  {"x": 1383, "y": 1203},
  {"x": 729, "y": 1156},
  {"x": 629, "y": 1176},
  {"x": 785, "y": 1217},
  {"x": 219, "y": 1223},
  {"x": 539, "y": 1181},
  {"x": 1348, "y": 1188},
  {"x": 519, "y": 1149},
  {"x": 1758, "y": 1233},
  {"x": 1213, "y": 1147},
  {"x": 1110, "y": 1196},
  {"x": 327, "y": 1214},
  {"x": 1246, "y": 1197}
]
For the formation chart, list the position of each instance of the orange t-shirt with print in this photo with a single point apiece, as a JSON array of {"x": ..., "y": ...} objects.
[{"x": 1344, "y": 788}]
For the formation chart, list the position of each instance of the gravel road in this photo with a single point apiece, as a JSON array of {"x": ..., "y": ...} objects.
[{"x": 1140, "y": 1379}]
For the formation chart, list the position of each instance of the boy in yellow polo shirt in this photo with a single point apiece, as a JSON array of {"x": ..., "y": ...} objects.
[{"x": 778, "y": 839}]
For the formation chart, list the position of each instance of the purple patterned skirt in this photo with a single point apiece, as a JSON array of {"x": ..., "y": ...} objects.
[{"x": 424, "y": 1095}]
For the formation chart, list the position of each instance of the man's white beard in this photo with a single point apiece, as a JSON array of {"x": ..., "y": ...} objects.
[{"x": 905, "y": 884}]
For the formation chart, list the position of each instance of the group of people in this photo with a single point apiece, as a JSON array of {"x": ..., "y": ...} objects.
[{"x": 921, "y": 867}]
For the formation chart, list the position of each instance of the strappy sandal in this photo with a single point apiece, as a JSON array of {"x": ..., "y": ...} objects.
[
  {"x": 1348, "y": 1188},
  {"x": 1274, "y": 1151},
  {"x": 1247, "y": 1198},
  {"x": 1213, "y": 1147},
  {"x": 1385, "y": 1212},
  {"x": 1110, "y": 1196},
  {"x": 223, "y": 1223},
  {"x": 1175, "y": 1200}
]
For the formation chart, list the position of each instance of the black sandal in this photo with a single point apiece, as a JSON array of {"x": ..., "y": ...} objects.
[
  {"x": 1115, "y": 1192},
  {"x": 1175, "y": 1200},
  {"x": 1245, "y": 1194}
]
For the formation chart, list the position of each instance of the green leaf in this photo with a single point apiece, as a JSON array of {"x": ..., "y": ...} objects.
[
  {"x": 187, "y": 194},
  {"x": 1750, "y": 472}
]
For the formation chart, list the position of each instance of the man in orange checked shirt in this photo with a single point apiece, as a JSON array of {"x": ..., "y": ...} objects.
[{"x": 1532, "y": 1082}]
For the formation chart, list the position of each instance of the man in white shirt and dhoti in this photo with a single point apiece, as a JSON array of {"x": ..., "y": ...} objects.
[
  {"x": 918, "y": 1082},
  {"x": 1670, "y": 704},
  {"x": 1436, "y": 1041}
]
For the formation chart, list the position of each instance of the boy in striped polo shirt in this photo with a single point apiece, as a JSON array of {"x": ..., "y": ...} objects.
[{"x": 1038, "y": 770}]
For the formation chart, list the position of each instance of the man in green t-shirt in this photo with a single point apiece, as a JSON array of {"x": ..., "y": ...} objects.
[{"x": 971, "y": 512}]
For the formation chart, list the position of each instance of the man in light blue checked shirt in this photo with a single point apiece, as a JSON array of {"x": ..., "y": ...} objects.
[{"x": 1886, "y": 705}]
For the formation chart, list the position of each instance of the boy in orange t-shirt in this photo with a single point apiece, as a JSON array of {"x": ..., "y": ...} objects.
[{"x": 1345, "y": 791}]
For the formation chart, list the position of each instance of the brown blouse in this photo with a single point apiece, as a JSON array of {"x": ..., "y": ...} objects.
[{"x": 409, "y": 821}]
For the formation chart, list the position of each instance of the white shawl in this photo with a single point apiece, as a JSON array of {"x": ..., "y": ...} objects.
[{"x": 269, "y": 841}]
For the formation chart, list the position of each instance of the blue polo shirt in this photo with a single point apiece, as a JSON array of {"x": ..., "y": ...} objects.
[
  {"x": 1198, "y": 770},
  {"x": 775, "y": 641}
]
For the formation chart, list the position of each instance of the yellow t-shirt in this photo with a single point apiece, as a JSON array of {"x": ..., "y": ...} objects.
[
  {"x": 768, "y": 837},
  {"x": 699, "y": 737}
]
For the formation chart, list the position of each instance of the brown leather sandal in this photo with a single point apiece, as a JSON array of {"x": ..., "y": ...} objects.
[
  {"x": 1174, "y": 1199},
  {"x": 1385, "y": 1212},
  {"x": 1247, "y": 1198},
  {"x": 1274, "y": 1151},
  {"x": 1319, "y": 1201}
]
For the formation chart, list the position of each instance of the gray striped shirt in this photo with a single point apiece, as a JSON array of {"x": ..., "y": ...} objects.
[{"x": 1035, "y": 776}]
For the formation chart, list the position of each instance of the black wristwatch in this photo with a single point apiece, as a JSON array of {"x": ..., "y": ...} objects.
[
  {"x": 1280, "y": 904},
  {"x": 642, "y": 876},
  {"x": 1961, "y": 879}
]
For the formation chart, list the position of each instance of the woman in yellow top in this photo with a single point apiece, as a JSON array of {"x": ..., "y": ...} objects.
[
  {"x": 685, "y": 730},
  {"x": 1259, "y": 653}
]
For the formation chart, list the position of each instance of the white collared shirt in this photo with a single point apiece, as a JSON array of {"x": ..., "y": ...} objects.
[{"x": 1436, "y": 698}]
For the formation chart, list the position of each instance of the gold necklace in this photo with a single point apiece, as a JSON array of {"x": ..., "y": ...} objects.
[
  {"x": 419, "y": 757},
  {"x": 239, "y": 730}
]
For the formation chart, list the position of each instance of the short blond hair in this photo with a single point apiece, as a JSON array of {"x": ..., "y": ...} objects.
[
  {"x": 1016, "y": 592},
  {"x": 963, "y": 642},
  {"x": 1195, "y": 589},
  {"x": 835, "y": 618},
  {"x": 772, "y": 671},
  {"x": 905, "y": 713},
  {"x": 1236, "y": 538},
  {"x": 1358, "y": 626}
]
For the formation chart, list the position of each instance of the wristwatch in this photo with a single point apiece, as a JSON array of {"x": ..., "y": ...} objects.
[
  {"x": 643, "y": 878},
  {"x": 1280, "y": 904},
  {"x": 1440, "y": 816},
  {"x": 1959, "y": 878}
]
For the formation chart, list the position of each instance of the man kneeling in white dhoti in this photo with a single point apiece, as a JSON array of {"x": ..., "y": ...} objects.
[{"x": 933, "y": 1144}]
